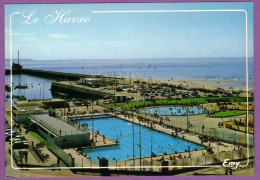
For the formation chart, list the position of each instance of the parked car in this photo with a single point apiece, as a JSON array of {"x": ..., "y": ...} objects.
[
  {"x": 17, "y": 138},
  {"x": 8, "y": 135},
  {"x": 20, "y": 145},
  {"x": 106, "y": 102}
]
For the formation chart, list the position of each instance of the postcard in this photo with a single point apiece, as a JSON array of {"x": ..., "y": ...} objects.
[{"x": 128, "y": 89}]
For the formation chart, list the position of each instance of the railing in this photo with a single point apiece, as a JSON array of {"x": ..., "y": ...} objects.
[
  {"x": 16, "y": 158},
  {"x": 57, "y": 151},
  {"x": 38, "y": 153},
  {"x": 169, "y": 165},
  {"x": 58, "y": 132},
  {"x": 197, "y": 129}
]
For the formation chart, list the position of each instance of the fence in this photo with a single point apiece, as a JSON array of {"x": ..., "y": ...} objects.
[
  {"x": 197, "y": 129},
  {"x": 57, "y": 132},
  {"x": 63, "y": 156},
  {"x": 16, "y": 158},
  {"x": 170, "y": 165}
]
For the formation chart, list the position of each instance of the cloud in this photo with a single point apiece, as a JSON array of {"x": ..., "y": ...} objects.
[
  {"x": 58, "y": 36},
  {"x": 29, "y": 34},
  {"x": 7, "y": 33},
  {"x": 29, "y": 39}
]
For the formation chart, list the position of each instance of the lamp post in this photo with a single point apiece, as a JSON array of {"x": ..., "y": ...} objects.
[
  {"x": 151, "y": 145},
  {"x": 133, "y": 141},
  {"x": 115, "y": 86},
  {"x": 140, "y": 145},
  {"x": 187, "y": 119},
  {"x": 93, "y": 136}
]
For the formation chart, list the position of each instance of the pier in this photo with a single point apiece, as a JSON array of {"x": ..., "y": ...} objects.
[
  {"x": 48, "y": 74},
  {"x": 53, "y": 74},
  {"x": 72, "y": 88}
]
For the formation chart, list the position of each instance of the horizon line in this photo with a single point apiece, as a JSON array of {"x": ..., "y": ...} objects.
[{"x": 127, "y": 58}]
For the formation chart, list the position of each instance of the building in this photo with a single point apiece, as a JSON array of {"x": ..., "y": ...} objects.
[
  {"x": 21, "y": 116},
  {"x": 93, "y": 81},
  {"x": 122, "y": 98},
  {"x": 64, "y": 135}
]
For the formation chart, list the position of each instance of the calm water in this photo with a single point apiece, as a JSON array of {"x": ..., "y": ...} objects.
[
  {"x": 38, "y": 88},
  {"x": 175, "y": 110},
  {"x": 186, "y": 67},
  {"x": 211, "y": 68},
  {"x": 116, "y": 128}
]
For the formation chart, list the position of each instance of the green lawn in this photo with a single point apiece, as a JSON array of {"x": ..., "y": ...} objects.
[
  {"x": 38, "y": 137},
  {"x": 227, "y": 114},
  {"x": 8, "y": 112},
  {"x": 182, "y": 101}
]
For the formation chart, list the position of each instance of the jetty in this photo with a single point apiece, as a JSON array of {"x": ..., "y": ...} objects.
[
  {"x": 72, "y": 88},
  {"x": 47, "y": 74},
  {"x": 53, "y": 74}
]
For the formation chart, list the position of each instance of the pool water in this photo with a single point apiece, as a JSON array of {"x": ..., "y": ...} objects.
[
  {"x": 175, "y": 110},
  {"x": 116, "y": 128}
]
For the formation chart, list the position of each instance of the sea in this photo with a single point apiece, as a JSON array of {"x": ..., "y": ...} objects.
[{"x": 226, "y": 69}]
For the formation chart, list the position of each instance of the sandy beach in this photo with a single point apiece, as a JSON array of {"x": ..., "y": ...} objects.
[{"x": 208, "y": 83}]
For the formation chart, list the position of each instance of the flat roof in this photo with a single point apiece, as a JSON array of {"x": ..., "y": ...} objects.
[
  {"x": 92, "y": 79},
  {"x": 35, "y": 102},
  {"x": 55, "y": 125},
  {"x": 28, "y": 111},
  {"x": 28, "y": 107}
]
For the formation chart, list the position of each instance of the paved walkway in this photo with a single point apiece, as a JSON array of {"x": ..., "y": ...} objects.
[
  {"x": 187, "y": 136},
  {"x": 83, "y": 161},
  {"x": 32, "y": 161}
]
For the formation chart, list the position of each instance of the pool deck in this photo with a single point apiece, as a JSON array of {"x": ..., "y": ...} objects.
[
  {"x": 187, "y": 136},
  {"x": 81, "y": 160}
]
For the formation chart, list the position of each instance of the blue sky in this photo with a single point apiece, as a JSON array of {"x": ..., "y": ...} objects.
[{"x": 130, "y": 35}]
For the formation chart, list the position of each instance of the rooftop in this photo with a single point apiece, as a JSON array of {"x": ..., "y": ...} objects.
[
  {"x": 55, "y": 125},
  {"x": 30, "y": 111}
]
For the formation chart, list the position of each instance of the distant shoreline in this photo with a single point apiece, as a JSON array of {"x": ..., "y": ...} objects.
[{"x": 209, "y": 83}]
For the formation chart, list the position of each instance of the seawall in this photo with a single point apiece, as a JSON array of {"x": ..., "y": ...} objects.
[{"x": 80, "y": 90}]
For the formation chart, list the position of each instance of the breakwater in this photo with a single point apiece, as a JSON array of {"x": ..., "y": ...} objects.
[
  {"x": 48, "y": 74},
  {"x": 53, "y": 74},
  {"x": 73, "y": 89}
]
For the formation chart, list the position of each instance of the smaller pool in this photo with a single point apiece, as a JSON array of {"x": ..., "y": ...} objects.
[{"x": 175, "y": 110}]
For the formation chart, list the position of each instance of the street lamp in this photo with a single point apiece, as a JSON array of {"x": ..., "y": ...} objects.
[
  {"x": 187, "y": 112},
  {"x": 140, "y": 146},
  {"x": 133, "y": 141},
  {"x": 151, "y": 144},
  {"x": 93, "y": 136}
]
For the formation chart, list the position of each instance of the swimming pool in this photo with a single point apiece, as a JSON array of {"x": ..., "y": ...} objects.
[
  {"x": 175, "y": 110},
  {"x": 116, "y": 128}
]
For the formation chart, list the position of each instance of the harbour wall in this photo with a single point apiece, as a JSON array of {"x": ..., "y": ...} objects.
[
  {"x": 48, "y": 74},
  {"x": 71, "y": 89},
  {"x": 53, "y": 74}
]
